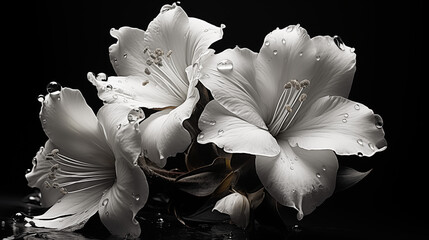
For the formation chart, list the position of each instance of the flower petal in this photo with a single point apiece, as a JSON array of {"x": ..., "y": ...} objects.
[
  {"x": 338, "y": 124},
  {"x": 119, "y": 205},
  {"x": 134, "y": 90},
  {"x": 163, "y": 134},
  {"x": 235, "y": 87},
  {"x": 234, "y": 134},
  {"x": 348, "y": 177},
  {"x": 72, "y": 126},
  {"x": 289, "y": 54},
  {"x": 114, "y": 117},
  {"x": 72, "y": 211},
  {"x": 297, "y": 177},
  {"x": 237, "y": 207}
]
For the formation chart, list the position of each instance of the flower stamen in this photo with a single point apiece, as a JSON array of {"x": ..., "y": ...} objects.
[{"x": 291, "y": 94}]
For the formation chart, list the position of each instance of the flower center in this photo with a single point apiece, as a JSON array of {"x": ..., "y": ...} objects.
[
  {"x": 286, "y": 108},
  {"x": 69, "y": 175}
]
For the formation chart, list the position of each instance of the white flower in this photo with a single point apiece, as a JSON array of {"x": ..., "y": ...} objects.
[
  {"x": 88, "y": 165},
  {"x": 238, "y": 206},
  {"x": 156, "y": 70},
  {"x": 287, "y": 105}
]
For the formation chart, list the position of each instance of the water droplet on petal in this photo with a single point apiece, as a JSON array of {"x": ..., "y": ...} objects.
[
  {"x": 346, "y": 115},
  {"x": 225, "y": 66},
  {"x": 323, "y": 168},
  {"x": 283, "y": 41},
  {"x": 289, "y": 29},
  {"x": 371, "y": 146},
  {"x": 339, "y": 42},
  {"x": 300, "y": 54},
  {"x": 318, "y": 175},
  {"x": 41, "y": 98},
  {"x": 360, "y": 154},
  {"x": 109, "y": 87},
  {"x": 220, "y": 132},
  {"x": 53, "y": 88},
  {"x": 136, "y": 196},
  {"x": 360, "y": 142},
  {"x": 135, "y": 115},
  {"x": 267, "y": 43},
  {"x": 275, "y": 52},
  {"x": 318, "y": 58},
  {"x": 344, "y": 120},
  {"x": 291, "y": 167},
  {"x": 107, "y": 213},
  {"x": 201, "y": 136},
  {"x": 105, "y": 202},
  {"x": 357, "y": 107},
  {"x": 125, "y": 55},
  {"x": 378, "y": 121}
]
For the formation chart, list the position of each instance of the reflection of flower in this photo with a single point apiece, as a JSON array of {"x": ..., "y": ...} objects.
[
  {"x": 155, "y": 70},
  {"x": 87, "y": 165},
  {"x": 287, "y": 105}
]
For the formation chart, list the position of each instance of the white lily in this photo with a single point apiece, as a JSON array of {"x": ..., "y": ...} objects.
[
  {"x": 88, "y": 165},
  {"x": 287, "y": 105},
  {"x": 155, "y": 70}
]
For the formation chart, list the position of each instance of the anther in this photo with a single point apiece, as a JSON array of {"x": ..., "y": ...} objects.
[
  {"x": 294, "y": 83},
  {"x": 304, "y": 83},
  {"x": 149, "y": 61},
  {"x": 289, "y": 108},
  {"x": 302, "y": 97},
  {"x": 159, "y": 52},
  {"x": 169, "y": 53},
  {"x": 55, "y": 167},
  {"x": 63, "y": 190},
  {"x": 288, "y": 85},
  {"x": 145, "y": 82},
  {"x": 147, "y": 71},
  {"x": 145, "y": 50}
]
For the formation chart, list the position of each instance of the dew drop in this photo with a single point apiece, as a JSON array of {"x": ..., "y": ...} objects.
[
  {"x": 300, "y": 54},
  {"x": 291, "y": 167},
  {"x": 105, "y": 202},
  {"x": 371, "y": 146},
  {"x": 339, "y": 42},
  {"x": 107, "y": 213},
  {"x": 283, "y": 41},
  {"x": 275, "y": 52},
  {"x": 267, "y": 43},
  {"x": 125, "y": 55},
  {"x": 225, "y": 66},
  {"x": 378, "y": 121},
  {"x": 324, "y": 168},
  {"x": 357, "y": 106},
  {"x": 318, "y": 58},
  {"x": 209, "y": 122},
  {"x": 109, "y": 87},
  {"x": 360, "y": 142},
  {"x": 289, "y": 29},
  {"x": 135, "y": 115},
  {"x": 53, "y": 88},
  {"x": 346, "y": 115},
  {"x": 201, "y": 136},
  {"x": 136, "y": 196},
  {"x": 344, "y": 120},
  {"x": 318, "y": 175},
  {"x": 360, "y": 154},
  {"x": 41, "y": 98},
  {"x": 220, "y": 132}
]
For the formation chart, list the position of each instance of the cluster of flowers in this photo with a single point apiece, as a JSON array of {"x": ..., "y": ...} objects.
[{"x": 251, "y": 125}]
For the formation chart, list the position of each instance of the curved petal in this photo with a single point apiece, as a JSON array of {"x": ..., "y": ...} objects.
[
  {"x": 115, "y": 117},
  {"x": 338, "y": 124},
  {"x": 297, "y": 177},
  {"x": 40, "y": 174},
  {"x": 72, "y": 211},
  {"x": 134, "y": 90},
  {"x": 163, "y": 134},
  {"x": 237, "y": 207},
  {"x": 289, "y": 54},
  {"x": 230, "y": 76},
  {"x": 234, "y": 134},
  {"x": 73, "y": 127},
  {"x": 348, "y": 177},
  {"x": 119, "y": 205}
]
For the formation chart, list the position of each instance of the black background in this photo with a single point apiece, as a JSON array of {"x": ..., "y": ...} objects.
[{"x": 62, "y": 41}]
